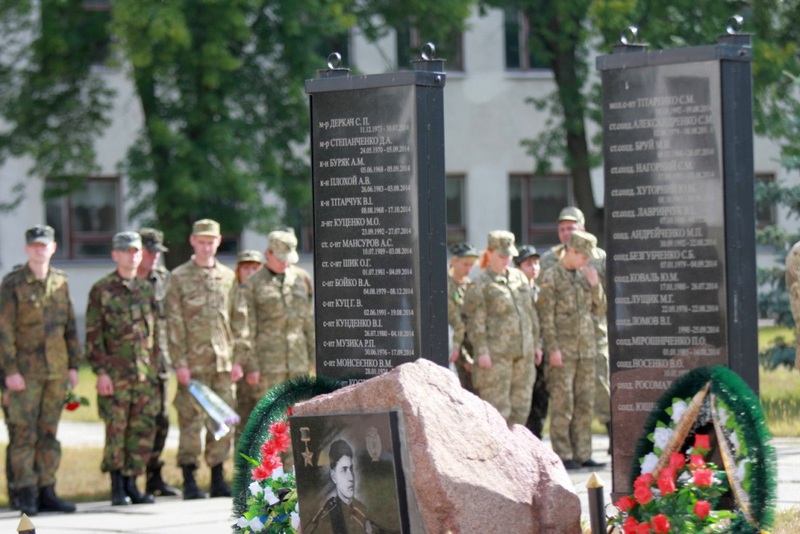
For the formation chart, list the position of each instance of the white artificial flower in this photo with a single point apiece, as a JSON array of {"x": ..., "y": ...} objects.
[
  {"x": 278, "y": 473},
  {"x": 295, "y": 519},
  {"x": 242, "y": 522},
  {"x": 270, "y": 497},
  {"x": 678, "y": 407},
  {"x": 741, "y": 470},
  {"x": 661, "y": 437},
  {"x": 649, "y": 463},
  {"x": 256, "y": 525},
  {"x": 734, "y": 437},
  {"x": 255, "y": 488}
]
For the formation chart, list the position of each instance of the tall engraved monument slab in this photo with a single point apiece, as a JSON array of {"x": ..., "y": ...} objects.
[
  {"x": 680, "y": 223},
  {"x": 379, "y": 220}
]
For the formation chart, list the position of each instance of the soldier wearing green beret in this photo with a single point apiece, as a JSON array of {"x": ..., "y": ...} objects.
[
  {"x": 463, "y": 257},
  {"x": 40, "y": 353},
  {"x": 571, "y": 293}
]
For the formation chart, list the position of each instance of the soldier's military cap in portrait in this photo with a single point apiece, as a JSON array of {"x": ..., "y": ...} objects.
[
  {"x": 207, "y": 227},
  {"x": 126, "y": 241},
  {"x": 525, "y": 252},
  {"x": 153, "y": 240},
  {"x": 40, "y": 234},
  {"x": 503, "y": 242},
  {"x": 464, "y": 250},
  {"x": 571, "y": 213},
  {"x": 252, "y": 256},
  {"x": 283, "y": 244},
  {"x": 583, "y": 242}
]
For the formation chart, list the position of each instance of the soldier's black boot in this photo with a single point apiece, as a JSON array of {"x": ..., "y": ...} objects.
[
  {"x": 129, "y": 483},
  {"x": 50, "y": 502},
  {"x": 13, "y": 499},
  {"x": 219, "y": 488},
  {"x": 26, "y": 498},
  {"x": 118, "y": 495},
  {"x": 608, "y": 429},
  {"x": 156, "y": 485},
  {"x": 190, "y": 489}
]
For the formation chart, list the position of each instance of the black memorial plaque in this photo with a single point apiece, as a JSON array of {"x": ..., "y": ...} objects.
[
  {"x": 377, "y": 219},
  {"x": 667, "y": 228}
]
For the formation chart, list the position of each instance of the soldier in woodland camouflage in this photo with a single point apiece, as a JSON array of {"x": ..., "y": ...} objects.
[
  {"x": 121, "y": 334},
  {"x": 200, "y": 302},
  {"x": 500, "y": 322},
  {"x": 39, "y": 353},
  {"x": 570, "y": 293},
  {"x": 274, "y": 325},
  {"x": 463, "y": 258},
  {"x": 158, "y": 277}
]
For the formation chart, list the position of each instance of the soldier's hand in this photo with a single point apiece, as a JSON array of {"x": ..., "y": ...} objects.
[
  {"x": 73, "y": 378},
  {"x": 253, "y": 378},
  {"x": 591, "y": 275},
  {"x": 555, "y": 359},
  {"x": 454, "y": 354},
  {"x": 485, "y": 361},
  {"x": 539, "y": 353},
  {"x": 236, "y": 372},
  {"x": 104, "y": 386},
  {"x": 184, "y": 375},
  {"x": 15, "y": 382}
]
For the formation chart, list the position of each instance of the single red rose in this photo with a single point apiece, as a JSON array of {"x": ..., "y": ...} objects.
[
  {"x": 677, "y": 461},
  {"x": 696, "y": 461},
  {"x": 629, "y": 526},
  {"x": 625, "y": 503},
  {"x": 72, "y": 406},
  {"x": 643, "y": 480},
  {"x": 667, "y": 472},
  {"x": 661, "y": 524},
  {"x": 702, "y": 509},
  {"x": 702, "y": 442},
  {"x": 666, "y": 485},
  {"x": 703, "y": 477},
  {"x": 643, "y": 494},
  {"x": 643, "y": 528}
]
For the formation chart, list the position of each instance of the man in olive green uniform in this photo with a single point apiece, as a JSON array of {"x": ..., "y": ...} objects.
[
  {"x": 571, "y": 293},
  {"x": 121, "y": 333},
  {"x": 274, "y": 324},
  {"x": 463, "y": 257},
  {"x": 569, "y": 220},
  {"x": 200, "y": 301},
  {"x": 158, "y": 277},
  {"x": 40, "y": 353},
  {"x": 500, "y": 320}
]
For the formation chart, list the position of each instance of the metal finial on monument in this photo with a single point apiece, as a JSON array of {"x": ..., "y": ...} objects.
[
  {"x": 428, "y": 52},
  {"x": 629, "y": 41},
  {"x": 734, "y": 36},
  {"x": 734, "y": 24},
  {"x": 428, "y": 61},
  {"x": 334, "y": 67}
]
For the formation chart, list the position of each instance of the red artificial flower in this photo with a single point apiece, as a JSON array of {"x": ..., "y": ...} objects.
[
  {"x": 702, "y": 509},
  {"x": 643, "y": 480},
  {"x": 262, "y": 473},
  {"x": 268, "y": 448},
  {"x": 667, "y": 472},
  {"x": 625, "y": 503},
  {"x": 703, "y": 477},
  {"x": 696, "y": 461},
  {"x": 666, "y": 484},
  {"x": 630, "y": 525},
  {"x": 661, "y": 524},
  {"x": 643, "y": 494},
  {"x": 72, "y": 406},
  {"x": 279, "y": 428},
  {"x": 643, "y": 528},
  {"x": 702, "y": 443},
  {"x": 677, "y": 461},
  {"x": 282, "y": 442}
]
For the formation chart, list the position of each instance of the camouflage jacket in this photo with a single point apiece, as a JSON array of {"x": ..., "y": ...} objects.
[
  {"x": 159, "y": 279},
  {"x": 500, "y": 315},
  {"x": 455, "y": 305},
  {"x": 199, "y": 309},
  {"x": 38, "y": 337},
  {"x": 121, "y": 329},
  {"x": 274, "y": 324},
  {"x": 566, "y": 304}
]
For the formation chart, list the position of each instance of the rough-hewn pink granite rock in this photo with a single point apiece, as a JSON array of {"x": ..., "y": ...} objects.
[{"x": 466, "y": 471}]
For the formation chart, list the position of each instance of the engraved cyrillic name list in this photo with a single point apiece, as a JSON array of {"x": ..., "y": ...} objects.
[
  {"x": 366, "y": 239},
  {"x": 666, "y": 247}
]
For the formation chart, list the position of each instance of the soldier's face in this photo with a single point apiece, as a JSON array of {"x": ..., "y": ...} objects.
[
  {"x": 530, "y": 266},
  {"x": 246, "y": 269},
  {"x": 275, "y": 264},
  {"x": 40, "y": 253},
  {"x": 497, "y": 262},
  {"x": 462, "y": 266},
  {"x": 578, "y": 259},
  {"x": 204, "y": 246},
  {"x": 127, "y": 260},
  {"x": 565, "y": 229},
  {"x": 344, "y": 479},
  {"x": 149, "y": 260}
]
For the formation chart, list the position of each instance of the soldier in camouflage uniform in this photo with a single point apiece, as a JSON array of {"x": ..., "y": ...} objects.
[
  {"x": 158, "y": 277},
  {"x": 200, "y": 302},
  {"x": 463, "y": 257},
  {"x": 40, "y": 353},
  {"x": 571, "y": 293},
  {"x": 247, "y": 263},
  {"x": 274, "y": 325},
  {"x": 500, "y": 322},
  {"x": 528, "y": 263},
  {"x": 569, "y": 220},
  {"x": 121, "y": 333}
]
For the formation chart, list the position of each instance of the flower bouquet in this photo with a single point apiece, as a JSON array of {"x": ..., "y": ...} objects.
[{"x": 73, "y": 401}]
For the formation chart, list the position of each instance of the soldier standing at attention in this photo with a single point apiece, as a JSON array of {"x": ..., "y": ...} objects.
[
  {"x": 571, "y": 293},
  {"x": 40, "y": 353},
  {"x": 247, "y": 263},
  {"x": 158, "y": 276},
  {"x": 569, "y": 220},
  {"x": 500, "y": 321},
  {"x": 275, "y": 338},
  {"x": 200, "y": 301},
  {"x": 121, "y": 333},
  {"x": 463, "y": 257}
]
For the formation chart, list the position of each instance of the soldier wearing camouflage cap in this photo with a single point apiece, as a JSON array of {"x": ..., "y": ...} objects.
[
  {"x": 200, "y": 302},
  {"x": 247, "y": 263},
  {"x": 157, "y": 275},
  {"x": 463, "y": 257},
  {"x": 500, "y": 318},
  {"x": 274, "y": 325},
  {"x": 40, "y": 353},
  {"x": 571, "y": 294},
  {"x": 121, "y": 333},
  {"x": 569, "y": 220}
]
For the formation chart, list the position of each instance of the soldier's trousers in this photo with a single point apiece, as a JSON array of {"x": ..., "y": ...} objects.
[
  {"x": 540, "y": 400},
  {"x": 162, "y": 423},
  {"x": 507, "y": 385},
  {"x": 192, "y": 418},
  {"x": 130, "y": 418},
  {"x": 571, "y": 388},
  {"x": 602, "y": 386},
  {"x": 33, "y": 414}
]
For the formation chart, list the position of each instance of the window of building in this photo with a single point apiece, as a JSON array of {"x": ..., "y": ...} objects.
[
  {"x": 519, "y": 54},
  {"x": 765, "y": 210},
  {"x": 535, "y": 202},
  {"x": 86, "y": 219},
  {"x": 455, "y": 199},
  {"x": 410, "y": 43}
]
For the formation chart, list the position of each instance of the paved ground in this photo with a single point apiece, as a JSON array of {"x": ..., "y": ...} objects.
[{"x": 175, "y": 516}]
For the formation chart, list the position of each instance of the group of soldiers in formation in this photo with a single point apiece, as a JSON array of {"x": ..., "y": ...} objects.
[
  {"x": 523, "y": 342},
  {"x": 248, "y": 329}
]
